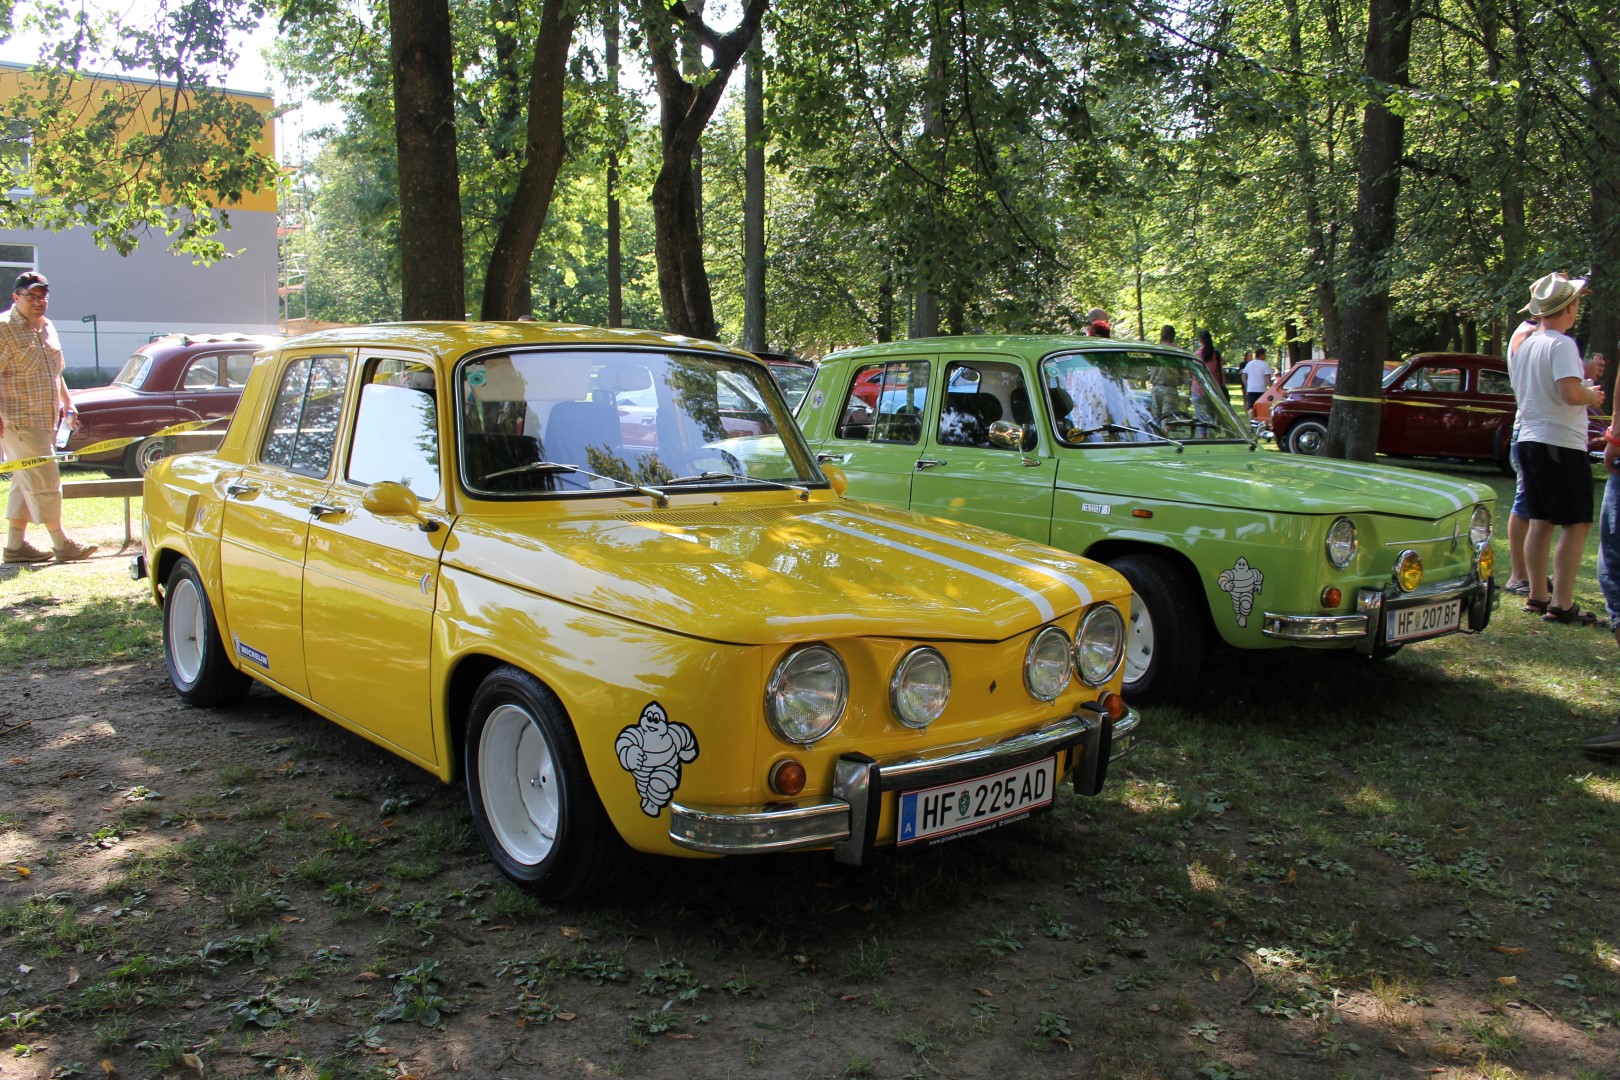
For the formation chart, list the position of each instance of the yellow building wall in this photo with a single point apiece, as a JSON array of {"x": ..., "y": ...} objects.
[{"x": 150, "y": 97}]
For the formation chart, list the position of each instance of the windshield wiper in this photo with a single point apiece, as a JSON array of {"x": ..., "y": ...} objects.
[
  {"x": 556, "y": 466},
  {"x": 1076, "y": 434},
  {"x": 698, "y": 478}
]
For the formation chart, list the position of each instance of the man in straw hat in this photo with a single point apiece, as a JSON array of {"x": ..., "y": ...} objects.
[{"x": 1553, "y": 395}]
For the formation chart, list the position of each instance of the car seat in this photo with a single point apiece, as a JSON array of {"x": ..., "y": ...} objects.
[
  {"x": 967, "y": 418},
  {"x": 573, "y": 429}
]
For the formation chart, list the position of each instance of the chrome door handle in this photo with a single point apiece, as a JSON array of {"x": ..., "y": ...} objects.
[
  {"x": 241, "y": 489},
  {"x": 834, "y": 459},
  {"x": 927, "y": 463},
  {"x": 322, "y": 509}
]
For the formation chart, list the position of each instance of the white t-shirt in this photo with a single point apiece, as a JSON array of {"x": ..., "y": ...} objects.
[
  {"x": 1256, "y": 376},
  {"x": 1534, "y": 369}
]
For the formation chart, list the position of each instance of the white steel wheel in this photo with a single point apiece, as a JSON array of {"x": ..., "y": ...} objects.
[
  {"x": 1164, "y": 639},
  {"x": 192, "y": 650},
  {"x": 532, "y": 798},
  {"x": 522, "y": 793}
]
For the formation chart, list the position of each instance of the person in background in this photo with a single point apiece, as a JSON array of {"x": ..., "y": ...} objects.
[
  {"x": 1608, "y": 570},
  {"x": 1256, "y": 377},
  {"x": 1165, "y": 379},
  {"x": 1549, "y": 384},
  {"x": 1100, "y": 328},
  {"x": 1212, "y": 358},
  {"x": 1167, "y": 336},
  {"x": 33, "y": 401},
  {"x": 1093, "y": 317}
]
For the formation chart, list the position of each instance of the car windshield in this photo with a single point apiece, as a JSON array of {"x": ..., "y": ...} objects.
[
  {"x": 551, "y": 421},
  {"x": 794, "y": 380},
  {"x": 1137, "y": 396},
  {"x": 134, "y": 371}
]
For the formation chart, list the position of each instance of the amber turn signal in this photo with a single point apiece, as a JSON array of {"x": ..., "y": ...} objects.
[
  {"x": 787, "y": 777},
  {"x": 1112, "y": 704}
]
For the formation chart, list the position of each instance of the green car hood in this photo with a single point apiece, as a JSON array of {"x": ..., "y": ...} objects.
[{"x": 1267, "y": 481}]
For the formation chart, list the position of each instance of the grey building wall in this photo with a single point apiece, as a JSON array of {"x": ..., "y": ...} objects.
[{"x": 150, "y": 291}]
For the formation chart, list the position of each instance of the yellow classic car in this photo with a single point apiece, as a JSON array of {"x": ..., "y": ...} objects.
[{"x": 597, "y": 576}]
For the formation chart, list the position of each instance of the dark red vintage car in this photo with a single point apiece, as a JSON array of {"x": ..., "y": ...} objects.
[
  {"x": 172, "y": 380},
  {"x": 1450, "y": 405}
]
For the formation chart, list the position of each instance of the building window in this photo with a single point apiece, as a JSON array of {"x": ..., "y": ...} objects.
[
  {"x": 16, "y": 157},
  {"x": 16, "y": 259}
]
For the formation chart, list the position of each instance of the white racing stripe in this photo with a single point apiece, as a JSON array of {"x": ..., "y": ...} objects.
[
  {"x": 1366, "y": 472},
  {"x": 1081, "y": 592}
]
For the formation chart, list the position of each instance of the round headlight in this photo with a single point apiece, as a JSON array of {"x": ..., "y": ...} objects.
[
  {"x": 1099, "y": 648},
  {"x": 1479, "y": 527},
  {"x": 920, "y": 688},
  {"x": 1341, "y": 543},
  {"x": 1049, "y": 664},
  {"x": 806, "y": 694},
  {"x": 1408, "y": 570}
]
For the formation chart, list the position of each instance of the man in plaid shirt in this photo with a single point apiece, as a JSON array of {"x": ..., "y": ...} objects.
[{"x": 33, "y": 398}]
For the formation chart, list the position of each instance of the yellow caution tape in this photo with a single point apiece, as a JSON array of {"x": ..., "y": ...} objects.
[{"x": 102, "y": 447}]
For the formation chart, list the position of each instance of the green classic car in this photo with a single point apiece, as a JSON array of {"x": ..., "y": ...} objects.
[{"x": 1128, "y": 454}]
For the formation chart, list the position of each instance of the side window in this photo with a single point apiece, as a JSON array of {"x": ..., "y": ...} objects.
[
  {"x": 886, "y": 402},
  {"x": 304, "y": 420},
  {"x": 203, "y": 374},
  {"x": 396, "y": 430},
  {"x": 237, "y": 366},
  {"x": 980, "y": 394},
  {"x": 1494, "y": 382},
  {"x": 1438, "y": 380}
]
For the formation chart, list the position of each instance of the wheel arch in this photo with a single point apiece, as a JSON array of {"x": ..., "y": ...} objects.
[{"x": 1106, "y": 551}]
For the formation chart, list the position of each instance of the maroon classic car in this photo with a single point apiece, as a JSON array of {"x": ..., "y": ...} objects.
[
  {"x": 171, "y": 380},
  {"x": 1450, "y": 405}
]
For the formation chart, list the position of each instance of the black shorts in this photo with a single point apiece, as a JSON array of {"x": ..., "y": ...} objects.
[
  {"x": 1557, "y": 483},
  {"x": 1250, "y": 397}
]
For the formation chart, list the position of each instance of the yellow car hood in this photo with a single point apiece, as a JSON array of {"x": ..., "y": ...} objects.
[{"x": 786, "y": 571}]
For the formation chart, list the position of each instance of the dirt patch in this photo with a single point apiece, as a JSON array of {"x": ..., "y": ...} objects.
[{"x": 257, "y": 892}]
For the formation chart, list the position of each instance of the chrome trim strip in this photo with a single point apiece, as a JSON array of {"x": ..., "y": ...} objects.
[{"x": 1366, "y": 625}]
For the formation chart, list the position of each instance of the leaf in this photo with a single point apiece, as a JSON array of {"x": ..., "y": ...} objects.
[
  {"x": 108, "y": 1068},
  {"x": 1510, "y": 950},
  {"x": 23, "y": 871},
  {"x": 73, "y": 975},
  {"x": 1507, "y": 980},
  {"x": 982, "y": 992}
]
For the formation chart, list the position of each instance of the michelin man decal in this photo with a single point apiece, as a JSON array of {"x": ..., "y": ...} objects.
[
  {"x": 1243, "y": 582},
  {"x": 652, "y": 750}
]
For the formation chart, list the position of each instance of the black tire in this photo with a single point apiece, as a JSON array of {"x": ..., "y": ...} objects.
[
  {"x": 198, "y": 664},
  {"x": 1307, "y": 437},
  {"x": 1502, "y": 449},
  {"x": 1165, "y": 632},
  {"x": 533, "y": 803},
  {"x": 142, "y": 456}
]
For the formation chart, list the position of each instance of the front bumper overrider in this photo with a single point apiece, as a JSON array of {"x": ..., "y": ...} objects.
[{"x": 848, "y": 821}]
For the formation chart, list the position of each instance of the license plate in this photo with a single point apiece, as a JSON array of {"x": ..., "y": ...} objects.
[
  {"x": 951, "y": 811},
  {"x": 1424, "y": 621}
]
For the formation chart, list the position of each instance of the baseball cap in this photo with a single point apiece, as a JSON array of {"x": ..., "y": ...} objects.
[{"x": 30, "y": 278}]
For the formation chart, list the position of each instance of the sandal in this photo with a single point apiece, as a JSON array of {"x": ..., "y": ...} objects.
[
  {"x": 1570, "y": 615},
  {"x": 1537, "y": 607},
  {"x": 1517, "y": 588}
]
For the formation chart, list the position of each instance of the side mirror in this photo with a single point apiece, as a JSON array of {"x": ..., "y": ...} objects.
[
  {"x": 837, "y": 478},
  {"x": 389, "y": 498},
  {"x": 1006, "y": 435}
]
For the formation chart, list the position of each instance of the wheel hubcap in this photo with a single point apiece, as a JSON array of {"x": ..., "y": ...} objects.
[
  {"x": 521, "y": 791},
  {"x": 1309, "y": 442},
  {"x": 1138, "y": 642},
  {"x": 185, "y": 631}
]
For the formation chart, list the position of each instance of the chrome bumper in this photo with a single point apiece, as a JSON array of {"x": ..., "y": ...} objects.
[
  {"x": 1365, "y": 629},
  {"x": 848, "y": 821}
]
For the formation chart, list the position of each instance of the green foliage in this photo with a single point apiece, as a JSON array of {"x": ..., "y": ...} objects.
[{"x": 130, "y": 156}]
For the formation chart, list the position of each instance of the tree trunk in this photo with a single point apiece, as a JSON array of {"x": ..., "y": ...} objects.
[
  {"x": 506, "y": 285},
  {"x": 430, "y": 246},
  {"x": 1353, "y": 424},
  {"x": 1603, "y": 321},
  {"x": 925, "y": 315},
  {"x": 684, "y": 110},
  {"x": 615, "y": 257},
  {"x": 754, "y": 201}
]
